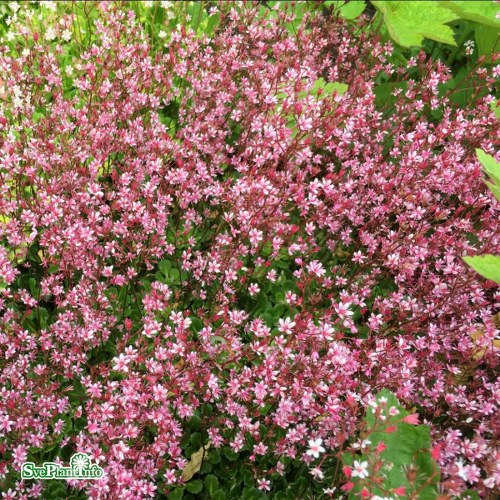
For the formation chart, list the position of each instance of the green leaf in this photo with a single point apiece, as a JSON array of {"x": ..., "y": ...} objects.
[
  {"x": 194, "y": 486},
  {"x": 165, "y": 266},
  {"x": 469, "y": 495},
  {"x": 496, "y": 108},
  {"x": 211, "y": 484},
  {"x": 384, "y": 93},
  {"x": 176, "y": 494},
  {"x": 55, "y": 490},
  {"x": 490, "y": 165},
  {"x": 486, "y": 40},
  {"x": 251, "y": 494},
  {"x": 214, "y": 456},
  {"x": 486, "y": 265},
  {"x": 409, "y": 23},
  {"x": 328, "y": 88},
  {"x": 495, "y": 189},
  {"x": 230, "y": 454},
  {"x": 406, "y": 445},
  {"x": 479, "y": 11},
  {"x": 347, "y": 9},
  {"x": 212, "y": 23},
  {"x": 492, "y": 168}
]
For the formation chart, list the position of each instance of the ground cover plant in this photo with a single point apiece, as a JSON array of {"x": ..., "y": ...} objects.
[{"x": 231, "y": 252}]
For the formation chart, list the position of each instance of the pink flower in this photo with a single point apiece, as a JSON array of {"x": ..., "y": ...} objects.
[
  {"x": 411, "y": 419},
  {"x": 264, "y": 484},
  {"x": 315, "y": 267},
  {"x": 317, "y": 473}
]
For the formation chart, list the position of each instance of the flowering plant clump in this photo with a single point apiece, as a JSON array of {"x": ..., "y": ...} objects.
[{"x": 214, "y": 251}]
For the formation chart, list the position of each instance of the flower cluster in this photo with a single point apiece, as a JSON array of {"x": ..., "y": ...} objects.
[{"x": 202, "y": 231}]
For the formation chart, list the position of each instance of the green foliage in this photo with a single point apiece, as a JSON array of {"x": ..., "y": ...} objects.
[
  {"x": 347, "y": 9},
  {"x": 481, "y": 11},
  {"x": 322, "y": 88},
  {"x": 223, "y": 473},
  {"x": 492, "y": 168},
  {"x": 406, "y": 461},
  {"x": 486, "y": 265},
  {"x": 409, "y": 23},
  {"x": 486, "y": 39}
]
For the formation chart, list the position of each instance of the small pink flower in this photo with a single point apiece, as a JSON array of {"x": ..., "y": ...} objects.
[
  {"x": 264, "y": 484},
  {"x": 411, "y": 419},
  {"x": 347, "y": 471}
]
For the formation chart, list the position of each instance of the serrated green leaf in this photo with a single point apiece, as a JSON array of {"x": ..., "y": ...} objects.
[
  {"x": 473, "y": 10},
  {"x": 409, "y": 23},
  {"x": 486, "y": 265}
]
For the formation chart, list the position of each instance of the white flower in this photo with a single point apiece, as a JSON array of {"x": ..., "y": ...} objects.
[
  {"x": 317, "y": 473},
  {"x": 362, "y": 445},
  {"x": 49, "y": 5},
  {"x": 162, "y": 34},
  {"x": 469, "y": 47},
  {"x": 360, "y": 469},
  {"x": 50, "y": 34},
  {"x": 315, "y": 447},
  {"x": 66, "y": 35},
  {"x": 461, "y": 470}
]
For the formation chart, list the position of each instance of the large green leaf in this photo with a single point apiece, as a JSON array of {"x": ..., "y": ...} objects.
[
  {"x": 486, "y": 265},
  {"x": 482, "y": 11},
  {"x": 409, "y": 23}
]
